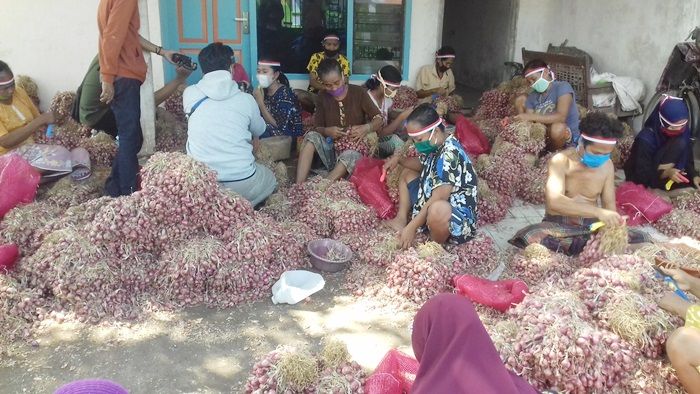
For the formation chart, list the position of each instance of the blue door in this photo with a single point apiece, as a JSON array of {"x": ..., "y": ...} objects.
[{"x": 190, "y": 25}]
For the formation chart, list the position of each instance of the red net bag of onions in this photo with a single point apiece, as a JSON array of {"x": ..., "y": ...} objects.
[
  {"x": 367, "y": 178},
  {"x": 471, "y": 137},
  {"x": 499, "y": 295},
  {"x": 639, "y": 204},
  {"x": 395, "y": 374},
  {"x": 8, "y": 256},
  {"x": 18, "y": 182}
]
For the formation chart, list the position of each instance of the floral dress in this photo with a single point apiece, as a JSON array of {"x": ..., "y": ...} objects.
[
  {"x": 284, "y": 107},
  {"x": 451, "y": 166}
]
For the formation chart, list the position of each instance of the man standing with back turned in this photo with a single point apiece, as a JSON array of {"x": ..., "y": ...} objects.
[{"x": 122, "y": 71}]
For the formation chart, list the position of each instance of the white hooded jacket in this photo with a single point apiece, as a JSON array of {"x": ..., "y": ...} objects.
[{"x": 221, "y": 129}]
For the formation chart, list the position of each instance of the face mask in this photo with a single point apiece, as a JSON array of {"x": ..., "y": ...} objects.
[
  {"x": 264, "y": 81},
  {"x": 426, "y": 147},
  {"x": 338, "y": 92},
  {"x": 672, "y": 133},
  {"x": 443, "y": 68},
  {"x": 591, "y": 160},
  {"x": 541, "y": 85},
  {"x": 330, "y": 53},
  {"x": 389, "y": 93}
]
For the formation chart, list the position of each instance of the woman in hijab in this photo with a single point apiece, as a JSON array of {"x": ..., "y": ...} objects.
[
  {"x": 456, "y": 354},
  {"x": 662, "y": 153}
]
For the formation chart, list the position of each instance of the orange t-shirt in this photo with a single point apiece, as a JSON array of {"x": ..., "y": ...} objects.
[
  {"x": 16, "y": 115},
  {"x": 120, "y": 44}
]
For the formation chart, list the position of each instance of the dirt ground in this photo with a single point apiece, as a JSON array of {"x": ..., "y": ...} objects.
[{"x": 203, "y": 350}]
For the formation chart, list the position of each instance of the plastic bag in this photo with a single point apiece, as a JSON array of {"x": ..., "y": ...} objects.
[
  {"x": 294, "y": 286},
  {"x": 640, "y": 205},
  {"x": 18, "y": 182},
  {"x": 372, "y": 190},
  {"x": 471, "y": 137},
  {"x": 395, "y": 374},
  {"x": 499, "y": 295},
  {"x": 8, "y": 256}
]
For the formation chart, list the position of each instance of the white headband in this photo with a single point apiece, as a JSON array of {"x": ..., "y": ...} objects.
[
  {"x": 427, "y": 129},
  {"x": 666, "y": 122},
  {"x": 378, "y": 77},
  {"x": 331, "y": 37},
  {"x": 444, "y": 56},
  {"x": 600, "y": 140},
  {"x": 535, "y": 71},
  {"x": 268, "y": 63},
  {"x": 10, "y": 82}
]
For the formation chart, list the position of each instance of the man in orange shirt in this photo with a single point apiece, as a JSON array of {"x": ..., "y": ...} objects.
[{"x": 122, "y": 71}]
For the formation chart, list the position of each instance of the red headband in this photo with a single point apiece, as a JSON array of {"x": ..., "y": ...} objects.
[
  {"x": 268, "y": 63},
  {"x": 7, "y": 83},
  {"x": 601, "y": 140},
  {"x": 426, "y": 129},
  {"x": 331, "y": 37}
]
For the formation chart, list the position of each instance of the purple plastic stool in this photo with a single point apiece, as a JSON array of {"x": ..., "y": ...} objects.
[{"x": 91, "y": 386}]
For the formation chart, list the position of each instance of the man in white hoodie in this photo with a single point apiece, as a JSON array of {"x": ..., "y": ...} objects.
[{"x": 222, "y": 124}]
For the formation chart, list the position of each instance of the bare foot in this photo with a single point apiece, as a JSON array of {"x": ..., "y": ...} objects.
[{"x": 396, "y": 224}]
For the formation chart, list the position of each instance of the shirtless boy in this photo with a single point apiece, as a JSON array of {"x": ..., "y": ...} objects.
[{"x": 580, "y": 190}]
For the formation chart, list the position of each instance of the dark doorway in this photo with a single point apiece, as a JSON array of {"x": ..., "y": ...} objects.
[{"x": 483, "y": 34}]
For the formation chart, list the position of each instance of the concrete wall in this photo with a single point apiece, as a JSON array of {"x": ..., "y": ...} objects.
[
  {"x": 481, "y": 32},
  {"x": 625, "y": 37}
]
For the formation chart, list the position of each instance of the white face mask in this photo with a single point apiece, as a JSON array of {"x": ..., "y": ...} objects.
[{"x": 264, "y": 81}]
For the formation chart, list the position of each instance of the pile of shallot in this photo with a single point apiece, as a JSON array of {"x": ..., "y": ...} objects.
[{"x": 291, "y": 370}]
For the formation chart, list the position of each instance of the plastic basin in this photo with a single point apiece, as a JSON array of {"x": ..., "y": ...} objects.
[{"x": 319, "y": 250}]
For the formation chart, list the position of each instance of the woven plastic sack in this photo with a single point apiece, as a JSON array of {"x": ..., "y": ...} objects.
[
  {"x": 18, "y": 182},
  {"x": 8, "y": 257},
  {"x": 372, "y": 190},
  {"x": 471, "y": 137},
  {"x": 640, "y": 205},
  {"x": 499, "y": 295},
  {"x": 395, "y": 374}
]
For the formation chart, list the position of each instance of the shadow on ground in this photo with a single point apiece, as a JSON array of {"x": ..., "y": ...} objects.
[{"x": 203, "y": 350}]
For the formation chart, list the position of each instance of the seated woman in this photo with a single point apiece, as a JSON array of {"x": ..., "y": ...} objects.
[
  {"x": 20, "y": 119},
  {"x": 343, "y": 111},
  {"x": 278, "y": 104},
  {"x": 683, "y": 345},
  {"x": 331, "y": 50},
  {"x": 435, "y": 83},
  {"x": 456, "y": 354},
  {"x": 663, "y": 151},
  {"x": 552, "y": 103},
  {"x": 439, "y": 188},
  {"x": 382, "y": 88}
]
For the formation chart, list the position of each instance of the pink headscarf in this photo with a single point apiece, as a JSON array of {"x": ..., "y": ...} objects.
[{"x": 455, "y": 352}]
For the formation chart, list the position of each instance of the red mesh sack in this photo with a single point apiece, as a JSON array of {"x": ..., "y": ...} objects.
[
  {"x": 8, "y": 256},
  {"x": 639, "y": 204},
  {"x": 471, "y": 137},
  {"x": 18, "y": 182},
  {"x": 395, "y": 374},
  {"x": 372, "y": 190},
  {"x": 499, "y": 295}
]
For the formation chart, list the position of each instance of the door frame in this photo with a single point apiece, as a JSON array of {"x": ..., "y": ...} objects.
[{"x": 171, "y": 24}]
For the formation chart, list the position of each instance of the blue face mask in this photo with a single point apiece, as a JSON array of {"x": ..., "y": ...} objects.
[{"x": 591, "y": 160}]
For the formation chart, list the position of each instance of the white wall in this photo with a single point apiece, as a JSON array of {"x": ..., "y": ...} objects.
[
  {"x": 426, "y": 34},
  {"x": 54, "y": 41},
  {"x": 625, "y": 37}
]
